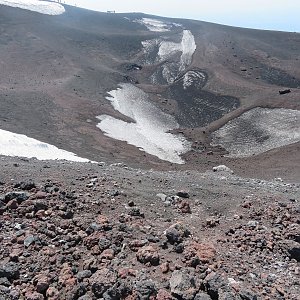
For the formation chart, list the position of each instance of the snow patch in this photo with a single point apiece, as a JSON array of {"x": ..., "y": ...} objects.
[
  {"x": 150, "y": 130},
  {"x": 259, "y": 130},
  {"x": 150, "y": 49},
  {"x": 43, "y": 7},
  {"x": 167, "y": 49},
  {"x": 149, "y": 45},
  {"x": 13, "y": 144},
  {"x": 170, "y": 72},
  {"x": 157, "y": 25},
  {"x": 192, "y": 77},
  {"x": 222, "y": 168},
  {"x": 188, "y": 47}
]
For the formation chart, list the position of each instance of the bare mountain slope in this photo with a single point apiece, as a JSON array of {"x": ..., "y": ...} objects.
[
  {"x": 160, "y": 104},
  {"x": 56, "y": 72}
]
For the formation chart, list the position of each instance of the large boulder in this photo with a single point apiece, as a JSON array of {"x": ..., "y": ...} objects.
[
  {"x": 183, "y": 284},
  {"x": 202, "y": 296},
  {"x": 10, "y": 270},
  {"x": 201, "y": 252},
  {"x": 145, "y": 289},
  {"x": 102, "y": 280},
  {"x": 222, "y": 168},
  {"x": 148, "y": 254},
  {"x": 176, "y": 233}
]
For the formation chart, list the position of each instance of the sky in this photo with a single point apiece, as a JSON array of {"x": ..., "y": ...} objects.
[{"x": 283, "y": 15}]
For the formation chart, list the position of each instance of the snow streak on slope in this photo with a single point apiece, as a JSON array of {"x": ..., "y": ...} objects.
[
  {"x": 259, "y": 130},
  {"x": 154, "y": 25},
  {"x": 150, "y": 48},
  {"x": 13, "y": 144},
  {"x": 150, "y": 130},
  {"x": 166, "y": 51},
  {"x": 187, "y": 47},
  {"x": 191, "y": 78},
  {"x": 43, "y": 7},
  {"x": 157, "y": 25}
]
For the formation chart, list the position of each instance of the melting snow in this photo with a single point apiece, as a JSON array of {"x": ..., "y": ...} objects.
[
  {"x": 157, "y": 25},
  {"x": 166, "y": 49},
  {"x": 192, "y": 77},
  {"x": 13, "y": 144},
  {"x": 150, "y": 130},
  {"x": 43, "y": 7},
  {"x": 188, "y": 47},
  {"x": 149, "y": 45},
  {"x": 259, "y": 130}
]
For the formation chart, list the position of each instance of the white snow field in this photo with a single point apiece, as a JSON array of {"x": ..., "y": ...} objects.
[
  {"x": 13, "y": 144},
  {"x": 149, "y": 131},
  {"x": 43, "y": 7},
  {"x": 157, "y": 25},
  {"x": 259, "y": 130}
]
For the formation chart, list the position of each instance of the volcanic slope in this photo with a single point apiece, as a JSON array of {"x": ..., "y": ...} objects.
[{"x": 57, "y": 71}]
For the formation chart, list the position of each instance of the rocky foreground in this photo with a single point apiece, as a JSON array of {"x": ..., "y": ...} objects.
[{"x": 92, "y": 231}]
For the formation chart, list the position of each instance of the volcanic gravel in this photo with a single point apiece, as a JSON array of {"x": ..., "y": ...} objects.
[{"x": 93, "y": 231}]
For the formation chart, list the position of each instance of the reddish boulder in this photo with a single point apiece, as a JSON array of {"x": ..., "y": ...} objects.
[
  {"x": 204, "y": 252},
  {"x": 148, "y": 254}
]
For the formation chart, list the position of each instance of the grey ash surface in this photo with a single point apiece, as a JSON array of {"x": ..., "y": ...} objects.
[{"x": 197, "y": 107}]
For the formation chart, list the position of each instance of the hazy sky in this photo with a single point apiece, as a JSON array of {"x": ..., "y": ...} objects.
[{"x": 265, "y": 14}]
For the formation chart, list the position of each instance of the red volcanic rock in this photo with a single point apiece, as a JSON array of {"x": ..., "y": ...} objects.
[
  {"x": 164, "y": 267},
  {"x": 125, "y": 272},
  {"x": 41, "y": 282},
  {"x": 52, "y": 293},
  {"x": 163, "y": 294},
  {"x": 136, "y": 244},
  {"x": 12, "y": 204},
  {"x": 107, "y": 254},
  {"x": 185, "y": 208},
  {"x": 34, "y": 296},
  {"x": 92, "y": 240},
  {"x": 148, "y": 254},
  {"x": 15, "y": 254},
  {"x": 66, "y": 277},
  {"x": 204, "y": 252},
  {"x": 102, "y": 280},
  {"x": 40, "y": 195}
]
